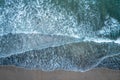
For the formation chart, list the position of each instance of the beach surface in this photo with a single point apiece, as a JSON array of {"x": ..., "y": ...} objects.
[{"x": 14, "y": 73}]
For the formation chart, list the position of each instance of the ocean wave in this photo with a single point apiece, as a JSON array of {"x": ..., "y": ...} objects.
[
  {"x": 79, "y": 56},
  {"x": 18, "y": 43}
]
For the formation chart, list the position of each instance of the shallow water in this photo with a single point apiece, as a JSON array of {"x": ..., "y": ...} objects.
[{"x": 76, "y": 35}]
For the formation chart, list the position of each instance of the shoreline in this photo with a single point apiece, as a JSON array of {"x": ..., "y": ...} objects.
[{"x": 16, "y": 73}]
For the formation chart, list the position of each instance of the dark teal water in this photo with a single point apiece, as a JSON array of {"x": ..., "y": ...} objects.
[{"x": 75, "y": 35}]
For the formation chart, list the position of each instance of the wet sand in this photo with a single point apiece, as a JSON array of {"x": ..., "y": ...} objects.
[{"x": 14, "y": 73}]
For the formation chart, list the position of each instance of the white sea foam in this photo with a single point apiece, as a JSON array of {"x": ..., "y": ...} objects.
[
  {"x": 118, "y": 41},
  {"x": 111, "y": 25},
  {"x": 39, "y": 18}
]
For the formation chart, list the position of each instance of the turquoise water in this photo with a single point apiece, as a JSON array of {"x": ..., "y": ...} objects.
[{"x": 75, "y": 35}]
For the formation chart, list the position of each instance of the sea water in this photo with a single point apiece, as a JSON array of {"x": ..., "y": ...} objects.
[{"x": 75, "y": 35}]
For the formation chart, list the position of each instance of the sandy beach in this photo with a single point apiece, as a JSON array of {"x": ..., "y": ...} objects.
[{"x": 14, "y": 73}]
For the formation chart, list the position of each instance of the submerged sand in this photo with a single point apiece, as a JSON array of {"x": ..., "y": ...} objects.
[{"x": 14, "y": 73}]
